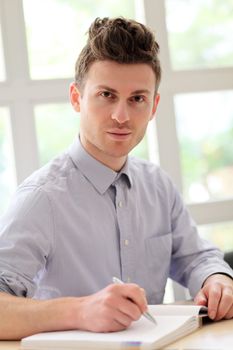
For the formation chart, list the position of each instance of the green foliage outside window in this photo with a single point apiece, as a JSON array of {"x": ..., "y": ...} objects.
[
  {"x": 200, "y": 34},
  {"x": 206, "y": 157},
  {"x": 54, "y": 46}
]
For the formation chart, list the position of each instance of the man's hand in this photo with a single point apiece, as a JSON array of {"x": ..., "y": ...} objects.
[
  {"x": 217, "y": 294},
  {"x": 111, "y": 309}
]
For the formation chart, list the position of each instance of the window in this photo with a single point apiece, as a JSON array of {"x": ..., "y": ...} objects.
[
  {"x": 7, "y": 174},
  {"x": 199, "y": 33},
  {"x": 2, "y": 67},
  {"x": 56, "y": 127},
  {"x": 219, "y": 234},
  {"x": 54, "y": 48},
  {"x": 205, "y": 131},
  {"x": 191, "y": 136}
]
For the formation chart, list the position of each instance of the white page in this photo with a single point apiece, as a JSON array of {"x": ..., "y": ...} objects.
[
  {"x": 176, "y": 310},
  {"x": 142, "y": 331}
]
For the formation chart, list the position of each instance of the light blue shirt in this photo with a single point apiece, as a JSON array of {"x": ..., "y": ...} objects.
[{"x": 75, "y": 223}]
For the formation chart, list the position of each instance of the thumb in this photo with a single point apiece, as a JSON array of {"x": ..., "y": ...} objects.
[{"x": 201, "y": 299}]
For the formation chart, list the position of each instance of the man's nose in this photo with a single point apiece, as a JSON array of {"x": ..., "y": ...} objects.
[{"x": 120, "y": 113}]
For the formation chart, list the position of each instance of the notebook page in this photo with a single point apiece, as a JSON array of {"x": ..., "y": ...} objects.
[
  {"x": 178, "y": 310},
  {"x": 142, "y": 331}
]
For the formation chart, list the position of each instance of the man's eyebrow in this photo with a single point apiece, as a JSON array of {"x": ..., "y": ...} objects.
[
  {"x": 136, "y": 92},
  {"x": 105, "y": 87},
  {"x": 142, "y": 91}
]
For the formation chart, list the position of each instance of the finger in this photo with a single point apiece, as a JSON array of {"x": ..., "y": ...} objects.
[
  {"x": 126, "y": 299},
  {"x": 214, "y": 298},
  {"x": 143, "y": 291},
  {"x": 226, "y": 303},
  {"x": 201, "y": 298},
  {"x": 229, "y": 314},
  {"x": 144, "y": 296},
  {"x": 113, "y": 326},
  {"x": 123, "y": 319},
  {"x": 134, "y": 293},
  {"x": 129, "y": 308}
]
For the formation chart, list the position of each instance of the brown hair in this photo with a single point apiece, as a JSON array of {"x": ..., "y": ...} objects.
[{"x": 120, "y": 40}]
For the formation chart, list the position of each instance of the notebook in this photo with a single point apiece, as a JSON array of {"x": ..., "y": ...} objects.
[{"x": 173, "y": 322}]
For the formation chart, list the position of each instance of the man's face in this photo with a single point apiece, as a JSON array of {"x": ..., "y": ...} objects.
[{"x": 115, "y": 105}]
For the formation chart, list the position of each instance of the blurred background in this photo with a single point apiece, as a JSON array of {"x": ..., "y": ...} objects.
[{"x": 192, "y": 136}]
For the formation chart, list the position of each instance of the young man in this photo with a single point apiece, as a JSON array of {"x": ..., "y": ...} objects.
[{"x": 94, "y": 213}]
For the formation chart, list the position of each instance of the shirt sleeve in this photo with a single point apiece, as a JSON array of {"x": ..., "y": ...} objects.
[
  {"x": 193, "y": 258},
  {"x": 26, "y": 241}
]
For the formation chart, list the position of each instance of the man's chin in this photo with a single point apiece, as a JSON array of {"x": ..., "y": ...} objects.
[{"x": 120, "y": 153}]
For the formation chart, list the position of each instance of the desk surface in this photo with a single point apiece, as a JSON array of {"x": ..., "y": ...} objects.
[{"x": 211, "y": 336}]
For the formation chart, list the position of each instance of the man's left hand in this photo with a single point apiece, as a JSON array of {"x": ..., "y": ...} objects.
[{"x": 217, "y": 294}]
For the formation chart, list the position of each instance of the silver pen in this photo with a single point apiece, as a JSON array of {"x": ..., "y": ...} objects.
[{"x": 146, "y": 314}]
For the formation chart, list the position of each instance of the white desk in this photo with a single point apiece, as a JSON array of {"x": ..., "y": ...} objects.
[{"x": 211, "y": 336}]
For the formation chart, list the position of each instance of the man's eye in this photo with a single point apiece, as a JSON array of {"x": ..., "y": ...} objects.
[
  {"x": 106, "y": 94},
  {"x": 138, "y": 98}
]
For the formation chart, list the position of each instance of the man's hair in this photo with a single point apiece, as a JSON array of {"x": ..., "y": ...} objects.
[{"x": 120, "y": 40}]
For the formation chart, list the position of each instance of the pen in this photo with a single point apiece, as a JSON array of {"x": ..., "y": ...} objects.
[{"x": 146, "y": 314}]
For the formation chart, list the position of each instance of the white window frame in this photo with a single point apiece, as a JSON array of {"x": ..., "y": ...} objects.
[
  {"x": 20, "y": 94},
  {"x": 176, "y": 82}
]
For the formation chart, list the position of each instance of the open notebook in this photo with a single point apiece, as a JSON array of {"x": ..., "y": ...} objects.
[{"x": 173, "y": 322}]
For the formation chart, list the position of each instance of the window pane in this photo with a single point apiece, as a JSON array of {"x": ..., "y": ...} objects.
[
  {"x": 2, "y": 67},
  {"x": 56, "y": 127},
  {"x": 141, "y": 150},
  {"x": 54, "y": 48},
  {"x": 200, "y": 33},
  {"x": 148, "y": 147},
  {"x": 205, "y": 131},
  {"x": 219, "y": 234},
  {"x": 7, "y": 173}
]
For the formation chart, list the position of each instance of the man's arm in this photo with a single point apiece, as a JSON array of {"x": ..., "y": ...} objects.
[
  {"x": 21, "y": 317},
  {"x": 217, "y": 294},
  {"x": 111, "y": 309}
]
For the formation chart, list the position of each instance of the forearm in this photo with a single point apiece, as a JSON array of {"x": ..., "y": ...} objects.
[
  {"x": 113, "y": 308},
  {"x": 20, "y": 317},
  {"x": 203, "y": 271}
]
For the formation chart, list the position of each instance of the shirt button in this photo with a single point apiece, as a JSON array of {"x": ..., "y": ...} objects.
[
  {"x": 120, "y": 204},
  {"x": 126, "y": 241}
]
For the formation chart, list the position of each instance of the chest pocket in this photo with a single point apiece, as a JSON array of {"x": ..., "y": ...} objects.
[{"x": 158, "y": 258}]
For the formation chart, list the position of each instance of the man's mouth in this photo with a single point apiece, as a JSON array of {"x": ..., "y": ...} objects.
[{"x": 119, "y": 134}]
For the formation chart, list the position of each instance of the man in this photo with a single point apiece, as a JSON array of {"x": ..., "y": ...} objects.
[{"x": 93, "y": 212}]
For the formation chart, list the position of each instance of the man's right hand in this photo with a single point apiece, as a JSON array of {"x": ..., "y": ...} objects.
[{"x": 113, "y": 308}]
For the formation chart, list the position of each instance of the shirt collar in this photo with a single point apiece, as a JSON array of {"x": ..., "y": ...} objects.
[{"x": 97, "y": 173}]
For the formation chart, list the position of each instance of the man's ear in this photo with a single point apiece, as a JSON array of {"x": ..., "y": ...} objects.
[
  {"x": 75, "y": 96},
  {"x": 155, "y": 105}
]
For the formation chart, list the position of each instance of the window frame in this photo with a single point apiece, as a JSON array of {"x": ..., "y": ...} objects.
[
  {"x": 20, "y": 94},
  {"x": 176, "y": 82}
]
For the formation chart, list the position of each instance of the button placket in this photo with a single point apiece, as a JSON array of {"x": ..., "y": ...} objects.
[{"x": 124, "y": 230}]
